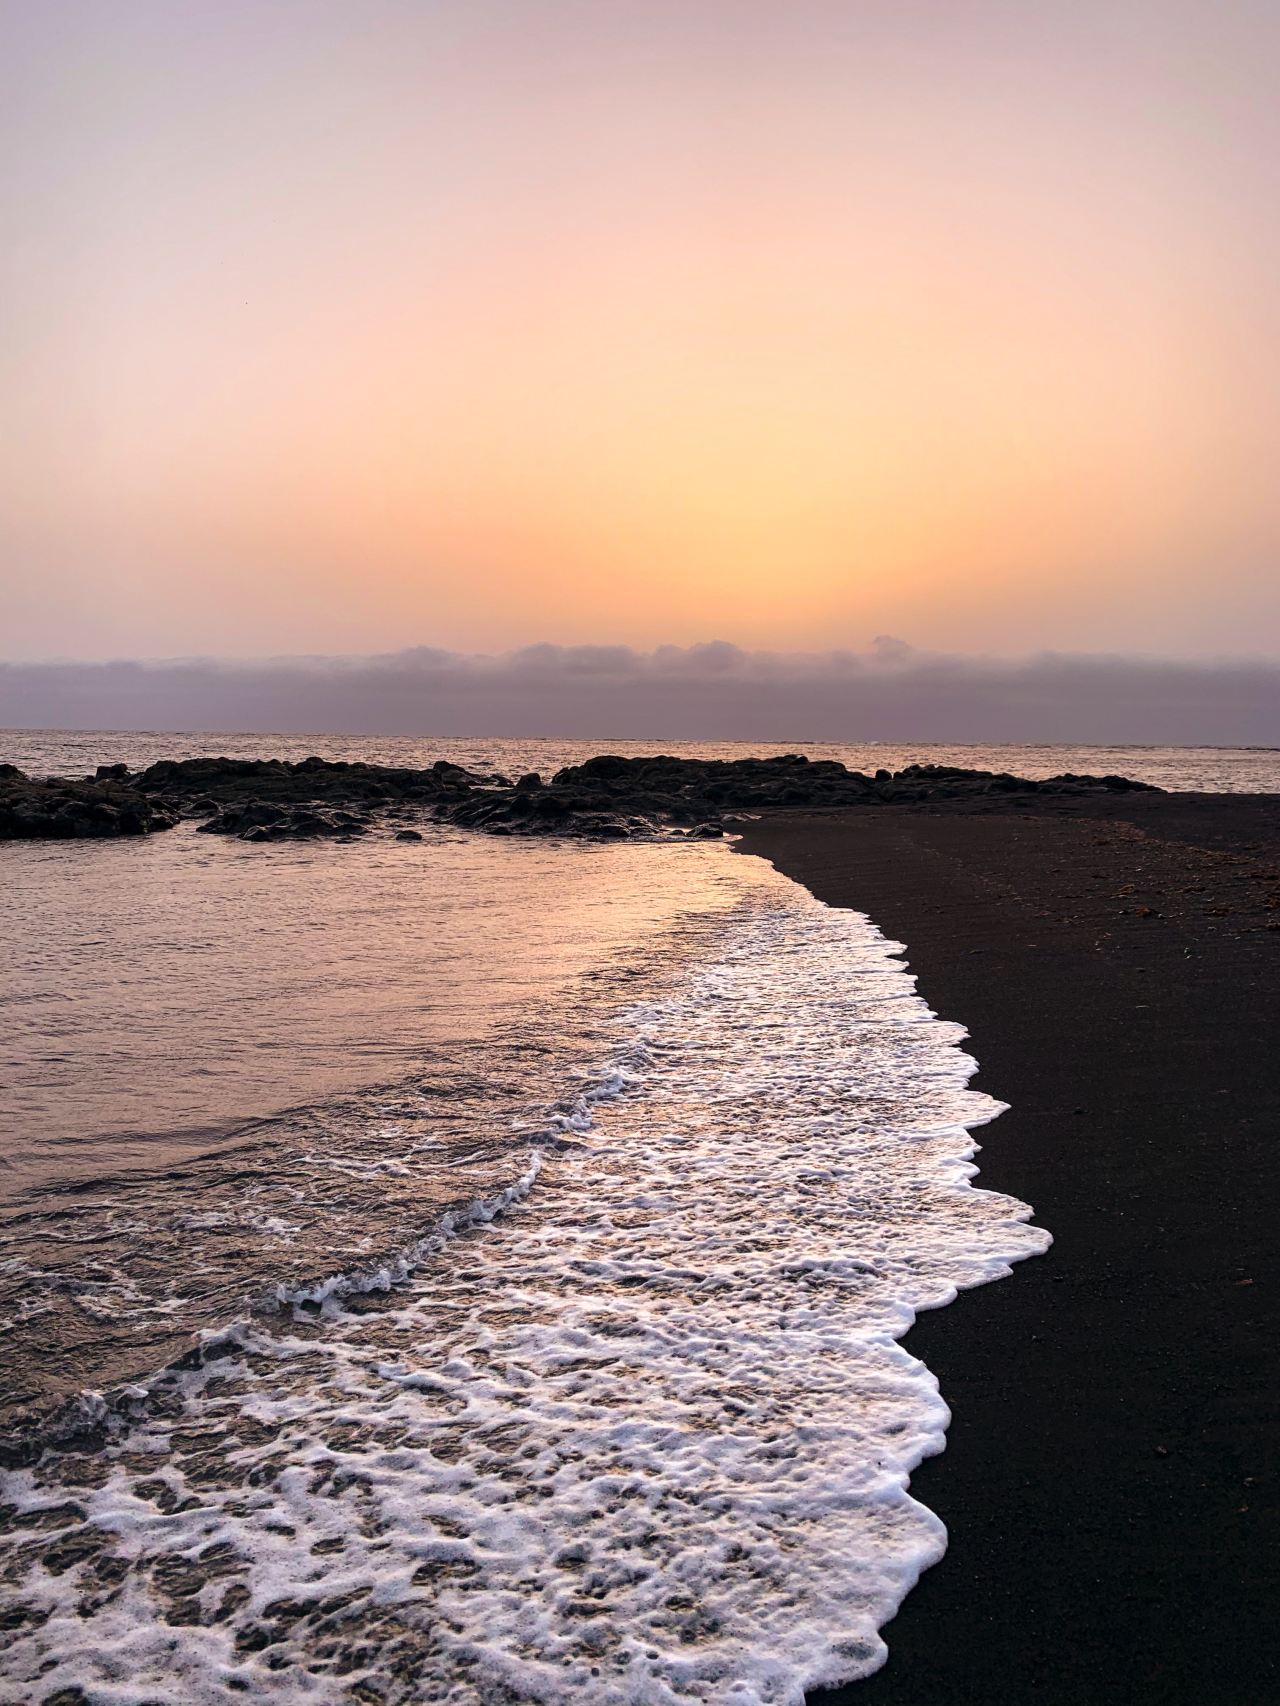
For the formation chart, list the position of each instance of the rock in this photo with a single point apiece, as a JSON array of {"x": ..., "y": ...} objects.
[
  {"x": 235, "y": 820},
  {"x": 607, "y": 797},
  {"x": 408, "y": 835},
  {"x": 56, "y": 809},
  {"x": 312, "y": 781},
  {"x": 606, "y": 767},
  {"x": 645, "y": 792},
  {"x": 261, "y": 820}
]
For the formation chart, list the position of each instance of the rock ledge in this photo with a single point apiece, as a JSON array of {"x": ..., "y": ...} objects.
[{"x": 607, "y": 798}]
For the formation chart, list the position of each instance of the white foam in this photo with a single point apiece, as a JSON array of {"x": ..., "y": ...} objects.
[
  {"x": 644, "y": 1438},
  {"x": 381, "y": 1276}
]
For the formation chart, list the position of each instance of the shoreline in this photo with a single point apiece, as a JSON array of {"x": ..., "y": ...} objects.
[{"x": 1108, "y": 1483}]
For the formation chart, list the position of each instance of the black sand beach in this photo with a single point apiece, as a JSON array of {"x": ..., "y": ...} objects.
[{"x": 1109, "y": 1480}]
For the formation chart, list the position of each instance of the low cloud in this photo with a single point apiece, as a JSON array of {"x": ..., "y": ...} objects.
[{"x": 717, "y": 691}]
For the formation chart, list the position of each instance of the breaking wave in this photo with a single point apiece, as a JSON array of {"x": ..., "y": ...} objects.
[{"x": 640, "y": 1434}]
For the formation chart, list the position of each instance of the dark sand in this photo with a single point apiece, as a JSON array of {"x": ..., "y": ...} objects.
[{"x": 1109, "y": 1481}]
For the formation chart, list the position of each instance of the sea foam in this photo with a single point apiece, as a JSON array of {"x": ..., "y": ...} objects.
[{"x": 639, "y": 1436}]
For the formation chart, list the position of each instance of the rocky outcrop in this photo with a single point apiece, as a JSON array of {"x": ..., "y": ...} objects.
[
  {"x": 220, "y": 782},
  {"x": 63, "y": 810},
  {"x": 262, "y": 820},
  {"x": 611, "y": 796},
  {"x": 607, "y": 798},
  {"x": 271, "y": 799}
]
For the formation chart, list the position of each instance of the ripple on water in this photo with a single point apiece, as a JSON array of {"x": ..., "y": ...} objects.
[{"x": 644, "y": 1438}]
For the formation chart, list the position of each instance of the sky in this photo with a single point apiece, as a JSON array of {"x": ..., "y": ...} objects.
[
  {"x": 891, "y": 692},
  {"x": 346, "y": 328}
]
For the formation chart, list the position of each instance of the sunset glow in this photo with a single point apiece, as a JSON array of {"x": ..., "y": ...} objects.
[{"x": 344, "y": 328}]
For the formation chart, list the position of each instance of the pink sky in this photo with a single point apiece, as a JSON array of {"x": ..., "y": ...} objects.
[{"x": 341, "y": 328}]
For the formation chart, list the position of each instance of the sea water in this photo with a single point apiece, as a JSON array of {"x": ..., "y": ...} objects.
[
  {"x": 547, "y": 1217},
  {"x": 1211, "y": 769},
  {"x": 469, "y": 1270}
]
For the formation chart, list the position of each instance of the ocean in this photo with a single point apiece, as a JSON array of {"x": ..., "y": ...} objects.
[{"x": 471, "y": 1269}]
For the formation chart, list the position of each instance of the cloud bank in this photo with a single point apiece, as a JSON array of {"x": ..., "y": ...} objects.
[{"x": 704, "y": 692}]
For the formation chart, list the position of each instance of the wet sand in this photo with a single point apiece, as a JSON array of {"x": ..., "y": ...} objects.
[{"x": 1109, "y": 1481}]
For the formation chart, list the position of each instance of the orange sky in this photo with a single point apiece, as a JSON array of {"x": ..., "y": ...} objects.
[{"x": 344, "y": 328}]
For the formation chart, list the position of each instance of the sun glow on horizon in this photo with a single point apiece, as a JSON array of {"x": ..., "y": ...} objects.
[{"x": 488, "y": 324}]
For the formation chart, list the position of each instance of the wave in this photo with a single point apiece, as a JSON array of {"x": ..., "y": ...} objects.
[{"x": 642, "y": 1435}]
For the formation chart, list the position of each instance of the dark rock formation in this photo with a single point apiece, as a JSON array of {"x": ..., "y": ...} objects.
[
  {"x": 311, "y": 781},
  {"x": 264, "y": 820},
  {"x": 607, "y": 798},
  {"x": 271, "y": 799},
  {"x": 57, "y": 809}
]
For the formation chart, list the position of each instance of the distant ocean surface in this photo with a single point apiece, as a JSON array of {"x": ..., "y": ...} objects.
[
  {"x": 1211, "y": 769},
  {"x": 548, "y": 1213}
]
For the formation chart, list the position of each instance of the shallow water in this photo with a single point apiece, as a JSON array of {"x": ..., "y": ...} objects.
[
  {"x": 228, "y": 1067},
  {"x": 549, "y": 1214},
  {"x": 642, "y": 1437}
]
